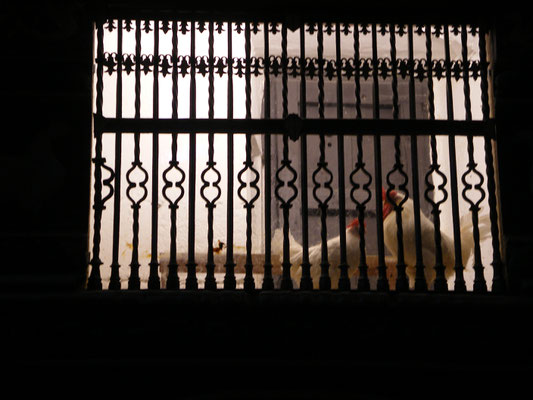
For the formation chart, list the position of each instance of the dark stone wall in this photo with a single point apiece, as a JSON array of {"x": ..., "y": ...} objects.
[
  {"x": 513, "y": 90},
  {"x": 45, "y": 152},
  {"x": 386, "y": 344},
  {"x": 269, "y": 345}
]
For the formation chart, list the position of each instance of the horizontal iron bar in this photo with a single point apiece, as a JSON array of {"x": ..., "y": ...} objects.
[{"x": 380, "y": 127}]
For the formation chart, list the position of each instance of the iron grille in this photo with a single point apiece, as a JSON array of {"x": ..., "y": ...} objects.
[{"x": 329, "y": 122}]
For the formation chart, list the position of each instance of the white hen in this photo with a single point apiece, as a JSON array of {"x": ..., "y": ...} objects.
[
  {"x": 315, "y": 256},
  {"x": 428, "y": 238}
]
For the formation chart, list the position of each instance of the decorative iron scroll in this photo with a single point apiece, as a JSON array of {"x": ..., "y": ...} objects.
[
  {"x": 136, "y": 200},
  {"x": 173, "y": 205},
  {"x": 440, "y": 280},
  {"x": 349, "y": 67},
  {"x": 402, "y": 283},
  {"x": 361, "y": 204},
  {"x": 479, "y": 280},
  {"x": 286, "y": 201},
  {"x": 210, "y": 203},
  {"x": 95, "y": 281},
  {"x": 325, "y": 185},
  {"x": 248, "y": 204}
]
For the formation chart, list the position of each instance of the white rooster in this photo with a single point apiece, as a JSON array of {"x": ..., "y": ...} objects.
[
  {"x": 315, "y": 256},
  {"x": 428, "y": 238}
]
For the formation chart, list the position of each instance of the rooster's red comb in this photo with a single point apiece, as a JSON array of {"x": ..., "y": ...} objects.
[
  {"x": 355, "y": 224},
  {"x": 393, "y": 193}
]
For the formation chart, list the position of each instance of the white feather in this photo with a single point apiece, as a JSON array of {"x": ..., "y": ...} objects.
[
  {"x": 428, "y": 240},
  {"x": 334, "y": 259}
]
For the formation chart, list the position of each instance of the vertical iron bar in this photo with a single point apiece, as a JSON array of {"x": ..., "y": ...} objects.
[
  {"x": 375, "y": 72},
  {"x": 498, "y": 282},
  {"x": 134, "y": 281},
  {"x": 229, "y": 278},
  {"x": 402, "y": 283},
  {"x": 344, "y": 282},
  {"x": 357, "y": 61},
  {"x": 95, "y": 281},
  {"x": 363, "y": 283},
  {"x": 173, "y": 279},
  {"x": 114, "y": 280},
  {"x": 284, "y": 76},
  {"x": 306, "y": 282},
  {"x": 383, "y": 284},
  {"x": 394, "y": 73},
  {"x": 460, "y": 285},
  {"x": 429, "y": 61},
  {"x": 191, "y": 282},
  {"x": 210, "y": 281},
  {"x": 153, "y": 280},
  {"x": 420, "y": 280},
  {"x": 466, "y": 82},
  {"x": 286, "y": 281},
  {"x": 174, "y": 69},
  {"x": 99, "y": 67},
  {"x": 137, "y": 69},
  {"x": 268, "y": 282},
  {"x": 249, "y": 283},
  {"x": 325, "y": 280},
  {"x": 320, "y": 56},
  {"x": 440, "y": 284},
  {"x": 480, "y": 284}
]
